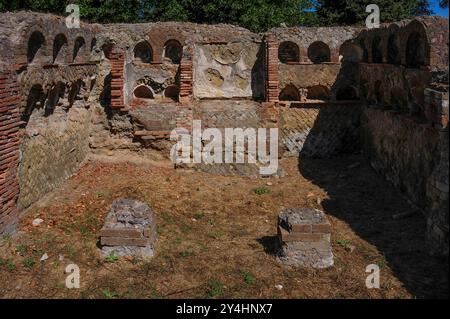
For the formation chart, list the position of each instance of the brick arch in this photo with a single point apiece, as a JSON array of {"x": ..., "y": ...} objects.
[
  {"x": 159, "y": 36},
  {"x": 143, "y": 52},
  {"x": 143, "y": 91},
  {"x": 351, "y": 52},
  {"x": 79, "y": 49},
  {"x": 172, "y": 92},
  {"x": 319, "y": 52},
  {"x": 361, "y": 40},
  {"x": 290, "y": 93},
  {"x": 36, "y": 47},
  {"x": 391, "y": 49},
  {"x": 173, "y": 50},
  {"x": 54, "y": 95},
  {"x": 318, "y": 92},
  {"x": 288, "y": 51},
  {"x": 377, "y": 49},
  {"x": 60, "y": 48},
  {"x": 415, "y": 45},
  {"x": 35, "y": 98}
]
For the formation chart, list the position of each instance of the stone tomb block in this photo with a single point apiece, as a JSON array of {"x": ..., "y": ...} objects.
[
  {"x": 129, "y": 229},
  {"x": 304, "y": 235}
]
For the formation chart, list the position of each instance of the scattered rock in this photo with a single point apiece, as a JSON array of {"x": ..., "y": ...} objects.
[
  {"x": 44, "y": 257},
  {"x": 279, "y": 287},
  {"x": 36, "y": 222}
]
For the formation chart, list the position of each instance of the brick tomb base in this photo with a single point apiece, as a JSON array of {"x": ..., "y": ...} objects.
[
  {"x": 129, "y": 230},
  {"x": 304, "y": 235}
]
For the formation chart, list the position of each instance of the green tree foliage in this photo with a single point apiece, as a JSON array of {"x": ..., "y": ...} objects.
[
  {"x": 256, "y": 15},
  {"x": 353, "y": 12}
]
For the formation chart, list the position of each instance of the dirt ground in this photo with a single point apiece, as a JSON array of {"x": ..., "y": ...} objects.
[{"x": 217, "y": 236}]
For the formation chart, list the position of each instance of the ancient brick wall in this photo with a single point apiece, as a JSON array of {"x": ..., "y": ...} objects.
[
  {"x": 404, "y": 85},
  {"x": 320, "y": 130},
  {"x": 46, "y": 79},
  {"x": 52, "y": 153},
  {"x": 313, "y": 63},
  {"x": 146, "y": 79},
  {"x": 437, "y": 188},
  {"x": 402, "y": 149},
  {"x": 9, "y": 148}
]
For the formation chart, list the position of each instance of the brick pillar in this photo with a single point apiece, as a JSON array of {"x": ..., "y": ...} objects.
[
  {"x": 117, "y": 79},
  {"x": 10, "y": 123},
  {"x": 186, "y": 77},
  {"x": 271, "y": 68}
]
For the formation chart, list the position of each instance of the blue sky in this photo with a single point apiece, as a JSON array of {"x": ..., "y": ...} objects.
[{"x": 438, "y": 11}]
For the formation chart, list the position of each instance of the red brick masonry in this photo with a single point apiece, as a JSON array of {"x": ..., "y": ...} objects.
[{"x": 10, "y": 123}]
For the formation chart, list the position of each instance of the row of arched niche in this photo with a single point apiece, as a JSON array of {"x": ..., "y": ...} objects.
[
  {"x": 60, "y": 93},
  {"x": 60, "y": 49},
  {"x": 319, "y": 52},
  {"x": 173, "y": 52}
]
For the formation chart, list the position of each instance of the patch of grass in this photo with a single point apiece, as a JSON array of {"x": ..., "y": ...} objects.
[
  {"x": 215, "y": 234},
  {"x": 199, "y": 216},
  {"x": 21, "y": 249},
  {"x": 109, "y": 294},
  {"x": 70, "y": 251},
  {"x": 28, "y": 262},
  {"x": 99, "y": 194},
  {"x": 214, "y": 288},
  {"x": 186, "y": 253},
  {"x": 111, "y": 258},
  {"x": 381, "y": 262},
  {"x": 211, "y": 221},
  {"x": 167, "y": 218},
  {"x": 185, "y": 228},
  {"x": 8, "y": 263},
  {"x": 178, "y": 240},
  {"x": 344, "y": 243},
  {"x": 248, "y": 277},
  {"x": 261, "y": 190}
]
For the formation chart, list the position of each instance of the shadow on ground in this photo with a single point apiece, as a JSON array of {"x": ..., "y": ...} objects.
[{"x": 367, "y": 203}]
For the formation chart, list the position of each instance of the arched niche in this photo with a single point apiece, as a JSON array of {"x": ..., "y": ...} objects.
[
  {"x": 347, "y": 93},
  {"x": 377, "y": 52},
  {"x": 319, "y": 52},
  {"x": 289, "y": 93},
  {"x": 318, "y": 92},
  {"x": 35, "y": 48},
  {"x": 173, "y": 50},
  {"x": 172, "y": 92},
  {"x": 60, "y": 46},
  {"x": 143, "y": 92},
  {"x": 143, "y": 52},
  {"x": 78, "y": 50},
  {"x": 288, "y": 52}
]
